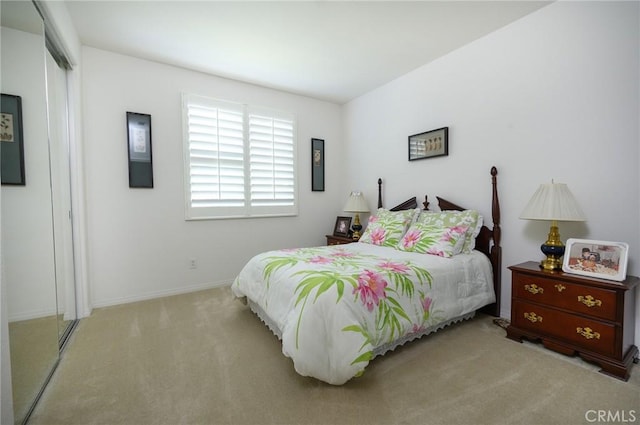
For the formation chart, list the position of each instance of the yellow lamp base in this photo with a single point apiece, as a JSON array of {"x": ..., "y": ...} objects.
[
  {"x": 553, "y": 248},
  {"x": 551, "y": 263},
  {"x": 357, "y": 227}
]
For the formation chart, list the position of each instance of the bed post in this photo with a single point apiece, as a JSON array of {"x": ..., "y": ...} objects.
[
  {"x": 406, "y": 205},
  {"x": 496, "y": 250},
  {"x": 425, "y": 204}
]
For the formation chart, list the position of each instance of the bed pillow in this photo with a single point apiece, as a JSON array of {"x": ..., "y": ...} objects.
[
  {"x": 445, "y": 219},
  {"x": 386, "y": 228},
  {"x": 435, "y": 240}
]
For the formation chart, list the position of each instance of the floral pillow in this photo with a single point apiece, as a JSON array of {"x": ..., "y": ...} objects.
[
  {"x": 434, "y": 240},
  {"x": 386, "y": 227},
  {"x": 445, "y": 219}
]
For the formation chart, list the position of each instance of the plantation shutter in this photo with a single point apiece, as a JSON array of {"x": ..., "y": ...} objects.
[
  {"x": 271, "y": 153},
  {"x": 239, "y": 161}
]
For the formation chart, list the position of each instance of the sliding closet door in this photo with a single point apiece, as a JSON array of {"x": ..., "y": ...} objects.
[
  {"x": 61, "y": 194},
  {"x": 28, "y": 264}
]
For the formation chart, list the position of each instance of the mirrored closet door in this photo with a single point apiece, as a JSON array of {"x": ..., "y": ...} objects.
[
  {"x": 59, "y": 156},
  {"x": 37, "y": 249}
]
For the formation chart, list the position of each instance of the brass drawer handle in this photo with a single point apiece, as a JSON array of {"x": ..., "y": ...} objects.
[
  {"x": 588, "y": 333},
  {"x": 589, "y": 301},
  {"x": 532, "y": 317},
  {"x": 560, "y": 287},
  {"x": 534, "y": 289}
]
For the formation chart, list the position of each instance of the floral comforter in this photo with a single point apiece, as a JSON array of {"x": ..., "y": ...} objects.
[{"x": 335, "y": 305}]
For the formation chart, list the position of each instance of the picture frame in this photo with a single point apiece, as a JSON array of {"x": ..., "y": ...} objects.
[
  {"x": 594, "y": 258},
  {"x": 342, "y": 227},
  {"x": 11, "y": 137},
  {"x": 139, "y": 150},
  {"x": 317, "y": 165},
  {"x": 429, "y": 144}
]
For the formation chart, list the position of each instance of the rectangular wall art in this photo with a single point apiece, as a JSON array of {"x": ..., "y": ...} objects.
[
  {"x": 139, "y": 146},
  {"x": 12, "y": 148},
  {"x": 429, "y": 144},
  {"x": 317, "y": 165}
]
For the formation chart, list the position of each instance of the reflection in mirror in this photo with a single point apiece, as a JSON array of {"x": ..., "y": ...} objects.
[
  {"x": 61, "y": 195},
  {"x": 27, "y": 226}
]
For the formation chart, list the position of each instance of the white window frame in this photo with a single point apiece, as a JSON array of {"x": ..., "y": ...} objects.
[{"x": 247, "y": 210}]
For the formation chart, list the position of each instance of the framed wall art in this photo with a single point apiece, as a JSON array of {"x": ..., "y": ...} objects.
[
  {"x": 601, "y": 259},
  {"x": 429, "y": 144},
  {"x": 11, "y": 137},
  {"x": 139, "y": 147},
  {"x": 317, "y": 165},
  {"x": 342, "y": 227}
]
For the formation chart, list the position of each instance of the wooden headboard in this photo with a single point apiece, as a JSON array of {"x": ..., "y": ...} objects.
[{"x": 487, "y": 241}]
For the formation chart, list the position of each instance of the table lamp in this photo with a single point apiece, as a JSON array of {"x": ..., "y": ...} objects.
[
  {"x": 554, "y": 202},
  {"x": 356, "y": 204}
]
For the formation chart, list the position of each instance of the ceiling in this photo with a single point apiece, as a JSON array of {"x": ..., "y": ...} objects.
[{"x": 335, "y": 51}]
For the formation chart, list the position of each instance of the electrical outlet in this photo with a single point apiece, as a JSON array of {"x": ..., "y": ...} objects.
[{"x": 193, "y": 264}]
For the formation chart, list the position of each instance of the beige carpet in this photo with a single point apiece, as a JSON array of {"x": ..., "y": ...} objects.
[{"x": 204, "y": 358}]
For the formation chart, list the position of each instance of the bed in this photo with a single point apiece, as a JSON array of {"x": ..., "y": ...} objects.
[{"x": 413, "y": 272}]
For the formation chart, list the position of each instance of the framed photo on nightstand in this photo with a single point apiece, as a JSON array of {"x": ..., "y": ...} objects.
[
  {"x": 342, "y": 227},
  {"x": 601, "y": 259}
]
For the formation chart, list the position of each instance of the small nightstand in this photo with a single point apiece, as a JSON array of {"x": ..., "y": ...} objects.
[
  {"x": 571, "y": 314},
  {"x": 338, "y": 240}
]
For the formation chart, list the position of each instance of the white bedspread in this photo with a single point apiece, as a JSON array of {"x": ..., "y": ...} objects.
[{"x": 334, "y": 305}]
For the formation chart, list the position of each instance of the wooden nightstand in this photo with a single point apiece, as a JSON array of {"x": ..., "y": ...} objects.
[
  {"x": 571, "y": 314},
  {"x": 338, "y": 240}
]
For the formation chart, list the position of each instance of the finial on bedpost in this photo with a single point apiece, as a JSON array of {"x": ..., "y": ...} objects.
[
  {"x": 379, "y": 193},
  {"x": 426, "y": 203}
]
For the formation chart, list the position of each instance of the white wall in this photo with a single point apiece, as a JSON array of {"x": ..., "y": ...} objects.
[
  {"x": 6, "y": 392},
  {"x": 139, "y": 244},
  {"x": 551, "y": 96}
]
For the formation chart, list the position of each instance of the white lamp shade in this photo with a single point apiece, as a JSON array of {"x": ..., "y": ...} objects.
[
  {"x": 553, "y": 201},
  {"x": 356, "y": 203}
]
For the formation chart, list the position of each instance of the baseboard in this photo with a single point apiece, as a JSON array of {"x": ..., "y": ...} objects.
[
  {"x": 30, "y": 315},
  {"x": 160, "y": 294}
]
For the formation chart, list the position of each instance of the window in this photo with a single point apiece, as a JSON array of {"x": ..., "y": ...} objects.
[{"x": 240, "y": 161}]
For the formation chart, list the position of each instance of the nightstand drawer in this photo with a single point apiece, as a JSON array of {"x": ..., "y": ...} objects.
[
  {"x": 338, "y": 240},
  {"x": 596, "y": 302},
  {"x": 592, "y": 335}
]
